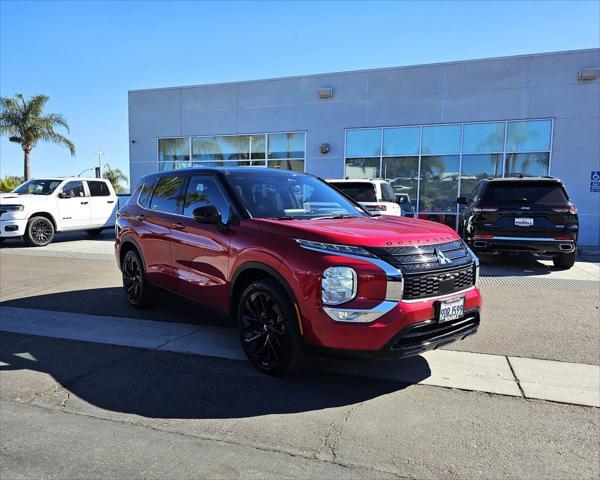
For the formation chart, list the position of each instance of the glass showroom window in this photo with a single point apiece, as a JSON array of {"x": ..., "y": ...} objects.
[
  {"x": 173, "y": 153},
  {"x": 528, "y": 145},
  {"x": 363, "y": 152},
  {"x": 439, "y": 183},
  {"x": 286, "y": 151},
  {"x": 229, "y": 150}
]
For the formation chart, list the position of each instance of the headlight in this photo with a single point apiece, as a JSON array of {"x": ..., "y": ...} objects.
[
  {"x": 338, "y": 285},
  {"x": 11, "y": 208},
  {"x": 334, "y": 248}
]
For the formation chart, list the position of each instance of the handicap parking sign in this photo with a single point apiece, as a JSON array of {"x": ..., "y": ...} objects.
[{"x": 595, "y": 181}]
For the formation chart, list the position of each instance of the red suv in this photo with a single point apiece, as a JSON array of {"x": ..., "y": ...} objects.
[{"x": 298, "y": 265}]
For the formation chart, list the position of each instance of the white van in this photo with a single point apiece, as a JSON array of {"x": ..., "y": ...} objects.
[{"x": 40, "y": 207}]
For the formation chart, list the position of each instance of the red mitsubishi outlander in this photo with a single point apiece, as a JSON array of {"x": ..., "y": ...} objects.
[{"x": 298, "y": 265}]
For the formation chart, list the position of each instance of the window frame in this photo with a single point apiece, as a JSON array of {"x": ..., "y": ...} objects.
[
  {"x": 86, "y": 192},
  {"x": 178, "y": 203},
  {"x": 220, "y": 186},
  {"x": 88, "y": 182}
]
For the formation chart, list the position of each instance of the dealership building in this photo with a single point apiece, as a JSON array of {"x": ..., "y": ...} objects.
[{"x": 431, "y": 130}]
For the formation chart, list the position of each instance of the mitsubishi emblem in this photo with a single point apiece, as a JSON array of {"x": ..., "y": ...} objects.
[{"x": 442, "y": 258}]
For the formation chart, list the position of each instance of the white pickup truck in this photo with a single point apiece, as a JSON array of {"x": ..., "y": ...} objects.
[{"x": 40, "y": 207}]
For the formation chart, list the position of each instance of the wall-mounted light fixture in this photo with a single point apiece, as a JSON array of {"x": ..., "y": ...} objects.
[
  {"x": 324, "y": 148},
  {"x": 588, "y": 74},
  {"x": 325, "y": 92}
]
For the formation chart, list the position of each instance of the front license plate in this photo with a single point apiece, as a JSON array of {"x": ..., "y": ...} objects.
[
  {"x": 523, "y": 222},
  {"x": 452, "y": 309}
]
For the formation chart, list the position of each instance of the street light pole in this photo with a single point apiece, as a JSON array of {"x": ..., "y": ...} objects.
[{"x": 100, "y": 153}]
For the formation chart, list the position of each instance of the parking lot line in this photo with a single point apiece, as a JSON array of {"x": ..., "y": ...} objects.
[{"x": 541, "y": 379}]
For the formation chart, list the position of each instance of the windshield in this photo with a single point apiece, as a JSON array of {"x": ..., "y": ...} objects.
[
  {"x": 524, "y": 193},
  {"x": 38, "y": 187},
  {"x": 358, "y": 191},
  {"x": 293, "y": 196}
]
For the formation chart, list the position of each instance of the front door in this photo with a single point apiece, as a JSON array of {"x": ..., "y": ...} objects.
[
  {"x": 74, "y": 207},
  {"x": 200, "y": 251}
]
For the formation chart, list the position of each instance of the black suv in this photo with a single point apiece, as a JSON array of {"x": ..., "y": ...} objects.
[{"x": 521, "y": 215}]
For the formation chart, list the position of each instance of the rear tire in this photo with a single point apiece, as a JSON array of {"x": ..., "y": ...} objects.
[
  {"x": 39, "y": 232},
  {"x": 138, "y": 291},
  {"x": 565, "y": 260},
  {"x": 94, "y": 232},
  {"x": 268, "y": 329}
]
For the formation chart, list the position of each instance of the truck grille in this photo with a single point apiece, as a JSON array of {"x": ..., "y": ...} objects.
[{"x": 424, "y": 276}]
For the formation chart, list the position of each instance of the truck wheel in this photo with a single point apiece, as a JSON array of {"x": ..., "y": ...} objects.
[
  {"x": 565, "y": 260},
  {"x": 94, "y": 232},
  {"x": 39, "y": 232},
  {"x": 268, "y": 329},
  {"x": 138, "y": 291}
]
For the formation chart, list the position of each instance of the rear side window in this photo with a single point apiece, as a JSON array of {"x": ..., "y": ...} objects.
[
  {"x": 359, "y": 191},
  {"x": 524, "y": 193},
  {"x": 145, "y": 190},
  {"x": 387, "y": 194},
  {"x": 98, "y": 189},
  {"x": 167, "y": 194}
]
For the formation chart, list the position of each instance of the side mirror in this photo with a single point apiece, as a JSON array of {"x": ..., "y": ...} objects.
[
  {"x": 462, "y": 200},
  {"x": 208, "y": 214},
  {"x": 64, "y": 195}
]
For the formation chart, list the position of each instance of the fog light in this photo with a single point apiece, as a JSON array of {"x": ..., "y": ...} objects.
[
  {"x": 11, "y": 228},
  {"x": 338, "y": 285}
]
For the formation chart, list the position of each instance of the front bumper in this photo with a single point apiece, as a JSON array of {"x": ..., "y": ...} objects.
[
  {"x": 11, "y": 228},
  {"x": 511, "y": 244}
]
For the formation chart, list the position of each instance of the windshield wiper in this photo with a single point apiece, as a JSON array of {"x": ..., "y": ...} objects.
[
  {"x": 329, "y": 217},
  {"x": 283, "y": 217}
]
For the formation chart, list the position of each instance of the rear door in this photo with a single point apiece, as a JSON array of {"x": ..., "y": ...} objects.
[
  {"x": 103, "y": 203},
  {"x": 157, "y": 221},
  {"x": 74, "y": 209},
  {"x": 201, "y": 252},
  {"x": 525, "y": 209}
]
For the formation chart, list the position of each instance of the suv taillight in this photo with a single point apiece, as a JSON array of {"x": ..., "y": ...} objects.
[{"x": 572, "y": 209}]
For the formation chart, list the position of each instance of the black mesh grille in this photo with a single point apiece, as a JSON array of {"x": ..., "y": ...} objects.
[
  {"x": 424, "y": 275},
  {"x": 438, "y": 283}
]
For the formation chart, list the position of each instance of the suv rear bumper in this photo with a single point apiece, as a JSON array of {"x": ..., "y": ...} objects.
[{"x": 522, "y": 244}]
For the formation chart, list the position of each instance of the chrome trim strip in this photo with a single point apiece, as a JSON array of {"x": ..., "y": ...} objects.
[
  {"x": 447, "y": 295},
  {"x": 364, "y": 315},
  {"x": 533, "y": 239},
  {"x": 395, "y": 279}
]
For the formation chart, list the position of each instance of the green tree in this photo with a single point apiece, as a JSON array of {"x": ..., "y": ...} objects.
[
  {"x": 115, "y": 177},
  {"x": 8, "y": 184},
  {"x": 25, "y": 123}
]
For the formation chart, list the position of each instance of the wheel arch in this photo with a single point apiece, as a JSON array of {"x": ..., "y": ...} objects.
[
  {"x": 249, "y": 272},
  {"x": 47, "y": 215},
  {"x": 128, "y": 244}
]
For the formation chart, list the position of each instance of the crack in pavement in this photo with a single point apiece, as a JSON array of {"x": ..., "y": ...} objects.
[{"x": 226, "y": 441}]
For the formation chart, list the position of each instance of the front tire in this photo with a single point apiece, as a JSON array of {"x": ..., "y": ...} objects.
[
  {"x": 565, "y": 260},
  {"x": 39, "y": 232},
  {"x": 268, "y": 329},
  {"x": 138, "y": 291}
]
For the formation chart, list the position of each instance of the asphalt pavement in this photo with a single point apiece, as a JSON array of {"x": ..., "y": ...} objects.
[{"x": 96, "y": 408}]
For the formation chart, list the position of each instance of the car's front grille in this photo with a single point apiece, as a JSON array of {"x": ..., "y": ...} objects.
[
  {"x": 438, "y": 283},
  {"x": 431, "y": 270}
]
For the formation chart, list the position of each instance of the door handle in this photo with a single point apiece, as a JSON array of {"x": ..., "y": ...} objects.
[
  {"x": 110, "y": 201},
  {"x": 84, "y": 203},
  {"x": 141, "y": 218},
  {"x": 178, "y": 225}
]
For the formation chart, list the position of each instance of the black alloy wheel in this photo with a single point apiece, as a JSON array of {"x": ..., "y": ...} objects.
[
  {"x": 39, "y": 232},
  {"x": 137, "y": 289},
  {"x": 268, "y": 329}
]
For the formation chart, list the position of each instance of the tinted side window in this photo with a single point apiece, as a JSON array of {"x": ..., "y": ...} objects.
[
  {"x": 204, "y": 190},
  {"x": 167, "y": 194},
  {"x": 74, "y": 189},
  {"x": 387, "y": 194},
  {"x": 145, "y": 190},
  {"x": 98, "y": 189}
]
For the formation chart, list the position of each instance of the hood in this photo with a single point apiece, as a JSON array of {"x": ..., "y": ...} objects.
[
  {"x": 26, "y": 197},
  {"x": 383, "y": 231}
]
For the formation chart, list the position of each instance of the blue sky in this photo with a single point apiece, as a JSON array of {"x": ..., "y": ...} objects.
[{"x": 87, "y": 55}]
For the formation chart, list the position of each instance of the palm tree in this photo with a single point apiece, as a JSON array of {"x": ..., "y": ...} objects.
[
  {"x": 24, "y": 122},
  {"x": 115, "y": 177}
]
